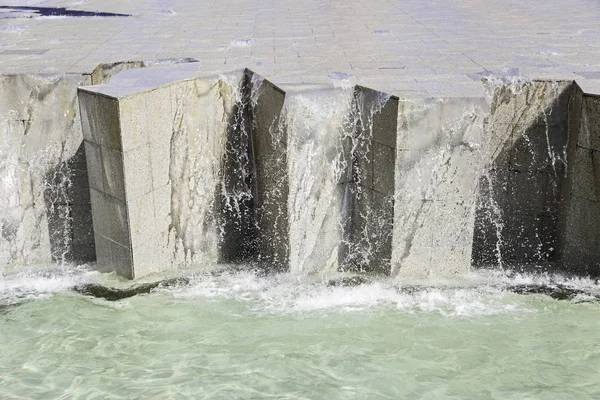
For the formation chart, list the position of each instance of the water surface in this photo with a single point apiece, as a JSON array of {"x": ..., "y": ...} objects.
[{"x": 240, "y": 335}]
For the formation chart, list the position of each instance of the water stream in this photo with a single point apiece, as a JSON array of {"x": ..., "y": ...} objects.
[{"x": 433, "y": 328}]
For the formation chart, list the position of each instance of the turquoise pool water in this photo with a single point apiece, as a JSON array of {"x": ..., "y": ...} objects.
[{"x": 241, "y": 335}]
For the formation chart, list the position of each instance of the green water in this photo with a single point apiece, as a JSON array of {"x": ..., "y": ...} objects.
[{"x": 248, "y": 337}]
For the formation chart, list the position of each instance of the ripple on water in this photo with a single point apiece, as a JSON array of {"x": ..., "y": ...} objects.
[{"x": 244, "y": 335}]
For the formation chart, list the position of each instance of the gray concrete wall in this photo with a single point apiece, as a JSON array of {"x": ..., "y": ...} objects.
[
  {"x": 44, "y": 201},
  {"x": 441, "y": 154},
  {"x": 368, "y": 202},
  {"x": 520, "y": 204},
  {"x": 194, "y": 168},
  {"x": 269, "y": 142},
  {"x": 153, "y": 148},
  {"x": 581, "y": 229},
  {"x": 341, "y": 156}
]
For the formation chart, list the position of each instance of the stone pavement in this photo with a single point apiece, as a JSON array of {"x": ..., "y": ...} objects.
[{"x": 412, "y": 48}]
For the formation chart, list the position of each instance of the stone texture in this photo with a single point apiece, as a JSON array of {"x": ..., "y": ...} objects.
[
  {"x": 442, "y": 153},
  {"x": 580, "y": 229},
  {"x": 589, "y": 134},
  {"x": 45, "y": 200},
  {"x": 369, "y": 192},
  {"x": 199, "y": 172},
  {"x": 269, "y": 142},
  {"x": 521, "y": 201}
]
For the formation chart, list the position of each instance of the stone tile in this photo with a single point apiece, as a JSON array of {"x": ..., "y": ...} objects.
[
  {"x": 586, "y": 174},
  {"x": 142, "y": 219},
  {"x": 137, "y": 171},
  {"x": 112, "y": 173},
  {"x": 110, "y": 218},
  {"x": 384, "y": 158}
]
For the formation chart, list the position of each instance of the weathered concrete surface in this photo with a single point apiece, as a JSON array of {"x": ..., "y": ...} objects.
[
  {"x": 44, "y": 203},
  {"x": 271, "y": 186},
  {"x": 521, "y": 200},
  {"x": 581, "y": 229},
  {"x": 45, "y": 206},
  {"x": 341, "y": 153},
  {"x": 184, "y": 172},
  {"x": 441, "y": 155},
  {"x": 368, "y": 186}
]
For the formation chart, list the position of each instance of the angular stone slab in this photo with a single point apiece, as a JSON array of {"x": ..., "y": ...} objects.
[
  {"x": 45, "y": 208},
  {"x": 271, "y": 187},
  {"x": 179, "y": 180},
  {"x": 368, "y": 208},
  {"x": 341, "y": 152},
  {"x": 580, "y": 229},
  {"x": 521, "y": 199},
  {"x": 441, "y": 155}
]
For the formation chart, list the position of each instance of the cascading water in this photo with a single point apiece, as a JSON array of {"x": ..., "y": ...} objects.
[
  {"x": 441, "y": 155},
  {"x": 197, "y": 148},
  {"x": 309, "y": 183},
  {"x": 315, "y": 123},
  {"x": 40, "y": 135}
]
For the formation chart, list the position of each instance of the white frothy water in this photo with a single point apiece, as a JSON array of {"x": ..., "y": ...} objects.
[
  {"x": 478, "y": 295},
  {"x": 315, "y": 122},
  {"x": 41, "y": 282}
]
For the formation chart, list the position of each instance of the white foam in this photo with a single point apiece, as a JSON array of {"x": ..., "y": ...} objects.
[
  {"x": 42, "y": 282},
  {"x": 288, "y": 293}
]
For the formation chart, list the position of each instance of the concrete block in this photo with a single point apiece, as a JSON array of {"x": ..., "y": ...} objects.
[
  {"x": 437, "y": 176},
  {"x": 44, "y": 169},
  {"x": 269, "y": 143},
  {"x": 531, "y": 103},
  {"x": 519, "y": 220},
  {"x": 201, "y": 169},
  {"x": 367, "y": 221}
]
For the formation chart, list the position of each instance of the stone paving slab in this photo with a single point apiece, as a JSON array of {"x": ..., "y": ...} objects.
[{"x": 406, "y": 47}]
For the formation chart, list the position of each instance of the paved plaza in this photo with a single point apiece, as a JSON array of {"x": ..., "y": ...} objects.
[{"x": 406, "y": 47}]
